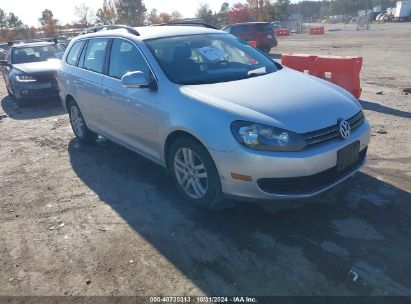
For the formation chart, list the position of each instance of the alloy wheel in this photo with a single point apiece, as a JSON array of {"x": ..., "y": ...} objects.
[
  {"x": 77, "y": 121},
  {"x": 191, "y": 173}
]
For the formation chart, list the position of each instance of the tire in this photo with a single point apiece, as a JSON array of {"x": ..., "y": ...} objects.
[
  {"x": 179, "y": 165},
  {"x": 78, "y": 124}
]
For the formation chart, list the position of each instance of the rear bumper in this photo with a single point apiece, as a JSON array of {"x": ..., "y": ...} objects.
[{"x": 269, "y": 43}]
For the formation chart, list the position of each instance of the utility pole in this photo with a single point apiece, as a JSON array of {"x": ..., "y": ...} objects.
[{"x": 367, "y": 17}]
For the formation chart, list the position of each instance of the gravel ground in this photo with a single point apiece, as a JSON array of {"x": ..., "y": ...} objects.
[{"x": 100, "y": 220}]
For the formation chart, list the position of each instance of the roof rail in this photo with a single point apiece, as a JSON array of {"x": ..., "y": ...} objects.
[
  {"x": 95, "y": 29},
  {"x": 187, "y": 23},
  {"x": 13, "y": 42}
]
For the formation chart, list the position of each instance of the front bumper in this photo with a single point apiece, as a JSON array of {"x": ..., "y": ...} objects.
[
  {"x": 313, "y": 162},
  {"x": 36, "y": 90}
]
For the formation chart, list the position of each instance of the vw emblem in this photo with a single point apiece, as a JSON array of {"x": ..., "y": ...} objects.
[{"x": 345, "y": 129}]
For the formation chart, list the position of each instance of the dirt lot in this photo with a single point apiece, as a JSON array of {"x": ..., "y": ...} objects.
[{"x": 70, "y": 213}]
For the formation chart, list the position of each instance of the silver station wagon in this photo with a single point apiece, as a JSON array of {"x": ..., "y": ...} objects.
[{"x": 221, "y": 116}]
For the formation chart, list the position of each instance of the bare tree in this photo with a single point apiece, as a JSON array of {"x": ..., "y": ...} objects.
[
  {"x": 176, "y": 15},
  {"x": 107, "y": 14},
  {"x": 85, "y": 15}
]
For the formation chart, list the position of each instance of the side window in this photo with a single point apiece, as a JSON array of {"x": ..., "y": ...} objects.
[
  {"x": 74, "y": 53},
  {"x": 94, "y": 57},
  {"x": 124, "y": 58}
]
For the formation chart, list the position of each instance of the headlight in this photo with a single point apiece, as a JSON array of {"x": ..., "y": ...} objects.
[
  {"x": 25, "y": 78},
  {"x": 261, "y": 137}
]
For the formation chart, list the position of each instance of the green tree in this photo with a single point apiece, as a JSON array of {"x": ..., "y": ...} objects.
[
  {"x": 3, "y": 20},
  {"x": 48, "y": 23},
  {"x": 130, "y": 12},
  {"x": 14, "y": 22}
]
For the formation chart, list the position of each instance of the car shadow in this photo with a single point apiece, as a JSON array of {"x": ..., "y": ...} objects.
[
  {"x": 360, "y": 226},
  {"x": 32, "y": 109},
  {"x": 376, "y": 107}
]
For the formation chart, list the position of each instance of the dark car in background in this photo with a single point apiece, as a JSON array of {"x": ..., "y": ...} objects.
[
  {"x": 260, "y": 32},
  {"x": 3, "y": 50},
  {"x": 29, "y": 69}
]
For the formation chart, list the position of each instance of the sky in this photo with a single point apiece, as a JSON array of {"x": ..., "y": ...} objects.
[{"x": 30, "y": 10}]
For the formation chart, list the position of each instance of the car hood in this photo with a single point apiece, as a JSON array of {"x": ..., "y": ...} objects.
[
  {"x": 285, "y": 99},
  {"x": 49, "y": 66}
]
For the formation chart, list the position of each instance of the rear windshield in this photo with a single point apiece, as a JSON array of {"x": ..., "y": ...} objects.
[
  {"x": 35, "y": 53},
  {"x": 257, "y": 27}
]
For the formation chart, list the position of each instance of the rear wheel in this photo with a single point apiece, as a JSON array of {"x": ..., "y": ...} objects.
[
  {"x": 194, "y": 173},
  {"x": 78, "y": 124}
]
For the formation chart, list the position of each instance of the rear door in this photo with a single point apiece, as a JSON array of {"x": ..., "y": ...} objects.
[
  {"x": 89, "y": 77},
  {"x": 131, "y": 113}
]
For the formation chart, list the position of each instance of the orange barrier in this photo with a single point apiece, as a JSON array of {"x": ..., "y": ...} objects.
[
  {"x": 282, "y": 32},
  {"x": 317, "y": 30},
  {"x": 342, "y": 71},
  {"x": 252, "y": 43}
]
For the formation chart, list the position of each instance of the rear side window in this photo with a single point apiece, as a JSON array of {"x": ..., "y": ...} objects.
[
  {"x": 74, "y": 53},
  {"x": 124, "y": 58},
  {"x": 94, "y": 57}
]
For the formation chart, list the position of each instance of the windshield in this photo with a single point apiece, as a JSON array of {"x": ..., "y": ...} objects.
[
  {"x": 209, "y": 58},
  {"x": 35, "y": 53}
]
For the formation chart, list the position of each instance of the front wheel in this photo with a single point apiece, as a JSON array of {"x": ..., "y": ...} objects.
[
  {"x": 194, "y": 173},
  {"x": 78, "y": 124}
]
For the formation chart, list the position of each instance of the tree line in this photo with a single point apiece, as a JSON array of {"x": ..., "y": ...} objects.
[{"x": 134, "y": 13}]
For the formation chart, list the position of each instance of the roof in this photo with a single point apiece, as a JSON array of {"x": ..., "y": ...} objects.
[
  {"x": 152, "y": 32},
  {"x": 27, "y": 44}
]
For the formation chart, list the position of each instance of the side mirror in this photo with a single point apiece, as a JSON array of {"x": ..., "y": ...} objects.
[
  {"x": 4, "y": 63},
  {"x": 135, "y": 80}
]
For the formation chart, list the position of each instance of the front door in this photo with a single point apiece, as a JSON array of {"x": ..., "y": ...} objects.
[{"x": 131, "y": 115}]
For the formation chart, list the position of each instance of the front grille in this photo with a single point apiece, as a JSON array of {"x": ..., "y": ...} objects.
[
  {"x": 329, "y": 133},
  {"x": 44, "y": 77},
  {"x": 307, "y": 184}
]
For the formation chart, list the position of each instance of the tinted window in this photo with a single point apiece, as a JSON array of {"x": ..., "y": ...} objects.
[
  {"x": 94, "y": 58},
  {"x": 124, "y": 58},
  {"x": 74, "y": 53}
]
